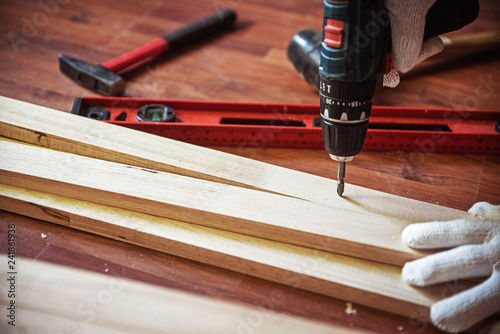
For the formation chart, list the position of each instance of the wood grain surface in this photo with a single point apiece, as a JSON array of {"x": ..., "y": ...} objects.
[
  {"x": 50, "y": 299},
  {"x": 230, "y": 208},
  {"x": 325, "y": 273},
  {"x": 247, "y": 64}
]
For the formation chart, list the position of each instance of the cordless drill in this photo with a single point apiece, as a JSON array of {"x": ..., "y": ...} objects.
[
  {"x": 350, "y": 53},
  {"x": 353, "y": 47}
]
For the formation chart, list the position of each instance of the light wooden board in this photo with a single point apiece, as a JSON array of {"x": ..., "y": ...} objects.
[
  {"x": 354, "y": 280},
  {"x": 65, "y": 132},
  {"x": 221, "y": 206},
  {"x": 48, "y": 302}
]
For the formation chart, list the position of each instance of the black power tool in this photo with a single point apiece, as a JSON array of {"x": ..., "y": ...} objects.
[{"x": 347, "y": 62}]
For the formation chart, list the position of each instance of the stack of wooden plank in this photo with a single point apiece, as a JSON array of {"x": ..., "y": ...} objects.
[{"x": 209, "y": 206}]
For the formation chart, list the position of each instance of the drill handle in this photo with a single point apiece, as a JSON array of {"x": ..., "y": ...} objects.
[{"x": 356, "y": 34}]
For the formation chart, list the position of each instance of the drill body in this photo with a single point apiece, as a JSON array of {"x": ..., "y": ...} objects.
[{"x": 354, "y": 45}]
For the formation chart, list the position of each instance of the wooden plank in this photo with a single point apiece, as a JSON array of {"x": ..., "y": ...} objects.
[
  {"x": 241, "y": 210},
  {"x": 49, "y": 302},
  {"x": 65, "y": 132},
  {"x": 354, "y": 280}
]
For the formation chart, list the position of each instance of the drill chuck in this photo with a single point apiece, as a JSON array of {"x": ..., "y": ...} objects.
[{"x": 345, "y": 111}]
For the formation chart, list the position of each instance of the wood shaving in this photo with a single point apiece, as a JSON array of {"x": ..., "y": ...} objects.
[{"x": 350, "y": 310}]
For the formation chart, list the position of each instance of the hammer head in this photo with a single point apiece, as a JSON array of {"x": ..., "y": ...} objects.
[{"x": 93, "y": 77}]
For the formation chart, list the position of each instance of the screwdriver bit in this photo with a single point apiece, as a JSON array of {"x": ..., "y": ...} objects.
[{"x": 340, "y": 178}]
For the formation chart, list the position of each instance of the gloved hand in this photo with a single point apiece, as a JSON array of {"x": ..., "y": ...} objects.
[
  {"x": 477, "y": 255},
  {"x": 407, "y": 19}
]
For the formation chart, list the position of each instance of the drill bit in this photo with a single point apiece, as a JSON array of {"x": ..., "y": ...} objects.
[{"x": 340, "y": 178}]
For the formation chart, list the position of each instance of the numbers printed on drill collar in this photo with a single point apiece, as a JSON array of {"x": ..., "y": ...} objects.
[{"x": 353, "y": 104}]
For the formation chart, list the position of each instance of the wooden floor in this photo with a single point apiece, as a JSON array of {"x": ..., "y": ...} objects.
[{"x": 247, "y": 64}]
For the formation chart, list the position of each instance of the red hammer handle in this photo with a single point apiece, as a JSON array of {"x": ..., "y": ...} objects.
[
  {"x": 153, "y": 48},
  {"x": 197, "y": 30}
]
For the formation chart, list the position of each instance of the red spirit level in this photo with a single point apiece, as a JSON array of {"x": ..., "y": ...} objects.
[{"x": 296, "y": 126}]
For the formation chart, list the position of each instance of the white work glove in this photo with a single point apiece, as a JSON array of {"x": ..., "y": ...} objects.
[
  {"x": 477, "y": 255},
  {"x": 407, "y": 19}
]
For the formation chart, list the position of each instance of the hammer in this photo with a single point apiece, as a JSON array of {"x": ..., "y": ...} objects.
[{"x": 103, "y": 79}]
